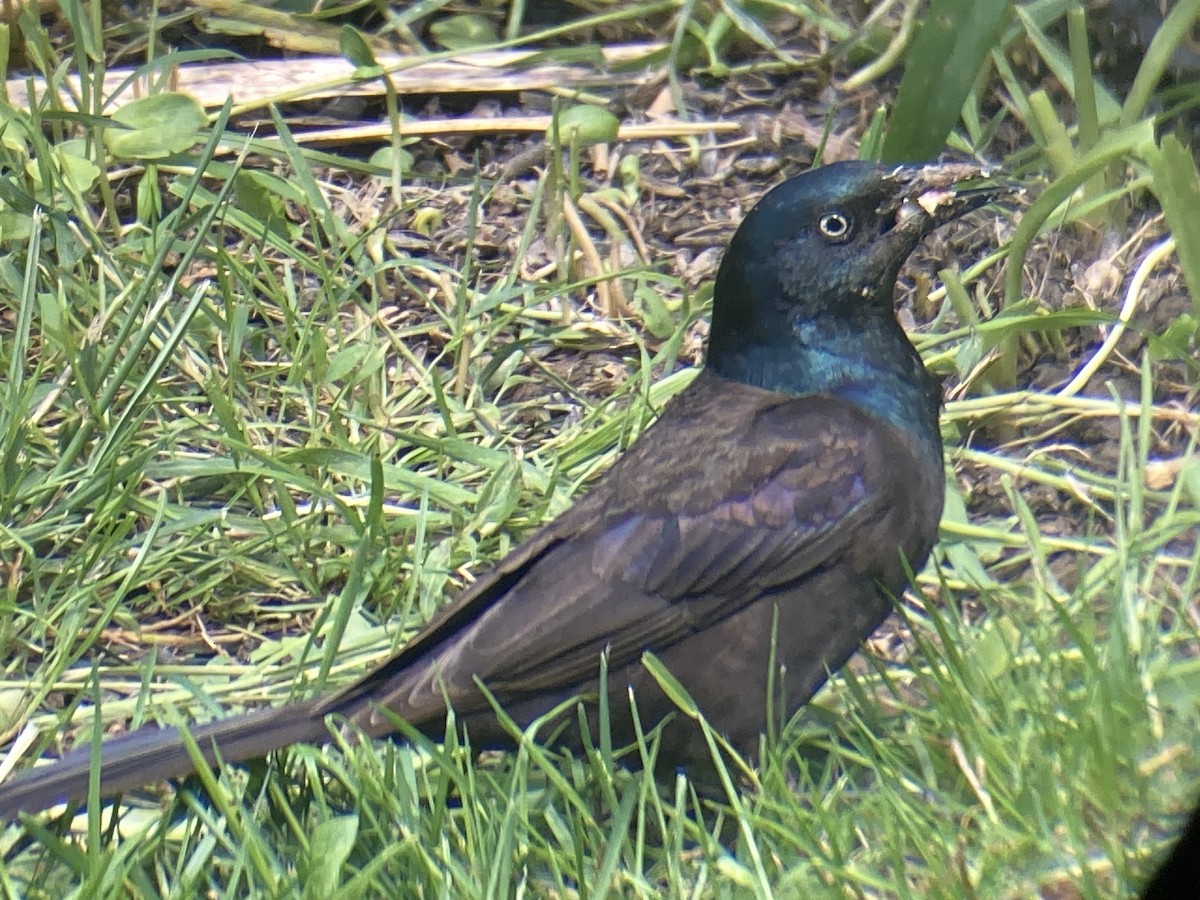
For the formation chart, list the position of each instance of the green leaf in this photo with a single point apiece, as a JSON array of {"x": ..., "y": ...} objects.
[
  {"x": 655, "y": 314},
  {"x": 1190, "y": 476},
  {"x": 355, "y": 48},
  {"x": 962, "y": 555},
  {"x": 357, "y": 51},
  {"x": 941, "y": 66},
  {"x": 156, "y": 126},
  {"x": 329, "y": 848},
  {"x": 354, "y": 362},
  {"x": 996, "y": 646},
  {"x": 1177, "y": 186},
  {"x": 1051, "y": 133},
  {"x": 385, "y": 157},
  {"x": 498, "y": 499},
  {"x": 591, "y": 124},
  {"x": 462, "y": 32},
  {"x": 747, "y": 24},
  {"x": 969, "y": 354},
  {"x": 76, "y": 170},
  {"x": 264, "y": 197},
  {"x": 149, "y": 197},
  {"x": 78, "y": 173},
  {"x": 12, "y": 707},
  {"x": 13, "y": 126},
  {"x": 1178, "y": 340},
  {"x": 670, "y": 685}
]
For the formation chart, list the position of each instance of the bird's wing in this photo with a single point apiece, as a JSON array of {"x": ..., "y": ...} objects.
[
  {"x": 651, "y": 571},
  {"x": 736, "y": 494}
]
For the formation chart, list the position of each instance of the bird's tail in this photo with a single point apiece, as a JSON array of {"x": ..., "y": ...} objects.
[{"x": 155, "y": 754}]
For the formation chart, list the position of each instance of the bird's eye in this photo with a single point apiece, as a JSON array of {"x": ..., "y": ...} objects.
[{"x": 834, "y": 226}]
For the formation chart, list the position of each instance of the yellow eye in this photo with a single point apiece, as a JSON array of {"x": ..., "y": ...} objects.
[{"x": 835, "y": 226}]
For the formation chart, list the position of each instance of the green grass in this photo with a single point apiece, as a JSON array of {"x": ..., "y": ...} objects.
[{"x": 250, "y": 439}]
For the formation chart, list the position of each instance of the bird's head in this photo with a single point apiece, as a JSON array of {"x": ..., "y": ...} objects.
[{"x": 827, "y": 246}]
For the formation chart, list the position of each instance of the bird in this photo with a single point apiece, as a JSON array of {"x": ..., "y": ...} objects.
[{"x": 788, "y": 490}]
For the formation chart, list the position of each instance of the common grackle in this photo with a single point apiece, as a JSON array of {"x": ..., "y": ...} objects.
[{"x": 795, "y": 478}]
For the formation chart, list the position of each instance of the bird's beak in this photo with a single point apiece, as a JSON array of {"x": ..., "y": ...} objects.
[{"x": 930, "y": 195}]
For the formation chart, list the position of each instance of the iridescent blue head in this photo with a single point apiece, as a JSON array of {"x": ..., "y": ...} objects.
[{"x": 803, "y": 301}]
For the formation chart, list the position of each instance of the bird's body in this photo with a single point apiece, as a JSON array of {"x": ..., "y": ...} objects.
[
  {"x": 784, "y": 491},
  {"x": 649, "y": 562}
]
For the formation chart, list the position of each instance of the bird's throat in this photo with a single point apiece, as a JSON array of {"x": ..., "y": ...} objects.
[{"x": 875, "y": 368}]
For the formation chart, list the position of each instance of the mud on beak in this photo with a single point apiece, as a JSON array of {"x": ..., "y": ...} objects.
[{"x": 932, "y": 194}]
